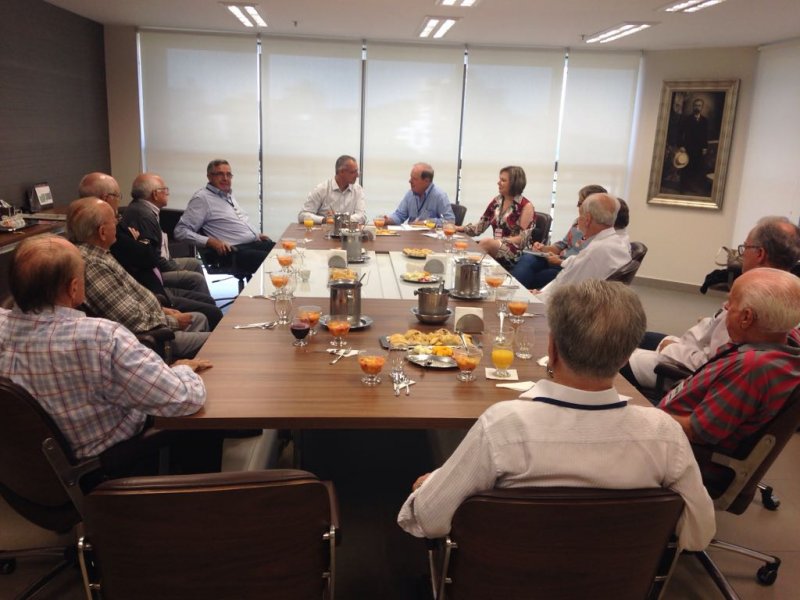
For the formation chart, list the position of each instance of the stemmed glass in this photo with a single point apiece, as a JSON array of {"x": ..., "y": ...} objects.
[
  {"x": 310, "y": 313},
  {"x": 283, "y": 307},
  {"x": 467, "y": 358},
  {"x": 502, "y": 352},
  {"x": 495, "y": 277},
  {"x": 503, "y": 294},
  {"x": 339, "y": 326},
  {"x": 379, "y": 222},
  {"x": 430, "y": 224},
  {"x": 371, "y": 364},
  {"x": 517, "y": 307},
  {"x": 309, "y": 225},
  {"x": 285, "y": 260},
  {"x": 300, "y": 328},
  {"x": 288, "y": 244},
  {"x": 460, "y": 246},
  {"x": 279, "y": 280},
  {"x": 449, "y": 230}
]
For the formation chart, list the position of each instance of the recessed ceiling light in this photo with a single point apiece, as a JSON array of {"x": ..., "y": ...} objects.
[
  {"x": 690, "y": 6},
  {"x": 247, "y": 14},
  {"x": 459, "y": 3},
  {"x": 436, "y": 27},
  {"x": 616, "y": 32}
]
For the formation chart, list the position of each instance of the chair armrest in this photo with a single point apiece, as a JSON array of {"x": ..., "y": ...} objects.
[
  {"x": 668, "y": 375},
  {"x": 334, "y": 503},
  {"x": 158, "y": 339}
]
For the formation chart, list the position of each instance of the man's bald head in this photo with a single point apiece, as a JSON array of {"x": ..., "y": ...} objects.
[
  {"x": 100, "y": 185},
  {"x": 46, "y": 271},
  {"x": 91, "y": 221}
]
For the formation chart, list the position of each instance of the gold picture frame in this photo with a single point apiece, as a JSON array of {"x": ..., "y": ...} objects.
[{"x": 693, "y": 143}]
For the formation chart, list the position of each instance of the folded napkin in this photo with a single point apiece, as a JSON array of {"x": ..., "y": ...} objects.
[
  {"x": 520, "y": 386},
  {"x": 542, "y": 362},
  {"x": 337, "y": 258},
  {"x": 347, "y": 353},
  {"x": 512, "y": 375}
]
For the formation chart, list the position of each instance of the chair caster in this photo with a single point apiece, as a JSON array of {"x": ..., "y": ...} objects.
[
  {"x": 8, "y": 566},
  {"x": 769, "y": 499},
  {"x": 767, "y": 574}
]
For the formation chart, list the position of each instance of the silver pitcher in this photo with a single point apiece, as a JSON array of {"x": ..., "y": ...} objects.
[
  {"x": 351, "y": 243},
  {"x": 346, "y": 300},
  {"x": 467, "y": 282},
  {"x": 341, "y": 221}
]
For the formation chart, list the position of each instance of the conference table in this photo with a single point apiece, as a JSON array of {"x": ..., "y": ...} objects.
[{"x": 260, "y": 380}]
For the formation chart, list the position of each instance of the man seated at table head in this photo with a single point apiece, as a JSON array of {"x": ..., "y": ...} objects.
[
  {"x": 423, "y": 201},
  {"x": 215, "y": 221},
  {"x": 112, "y": 293},
  {"x": 92, "y": 376},
  {"x": 748, "y": 381},
  {"x": 603, "y": 250},
  {"x": 773, "y": 242},
  {"x": 340, "y": 194},
  {"x": 572, "y": 429}
]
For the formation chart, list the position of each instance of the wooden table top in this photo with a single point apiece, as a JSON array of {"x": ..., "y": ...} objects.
[
  {"x": 10, "y": 239},
  {"x": 260, "y": 380},
  {"x": 408, "y": 238}
]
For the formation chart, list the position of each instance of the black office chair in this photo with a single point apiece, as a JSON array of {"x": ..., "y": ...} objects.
[
  {"x": 627, "y": 272},
  {"x": 460, "y": 211},
  {"x": 638, "y": 251},
  {"x": 541, "y": 230},
  {"x": 566, "y": 543}
]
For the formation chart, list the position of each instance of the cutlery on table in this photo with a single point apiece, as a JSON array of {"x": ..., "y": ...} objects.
[
  {"x": 339, "y": 356},
  {"x": 264, "y": 325}
]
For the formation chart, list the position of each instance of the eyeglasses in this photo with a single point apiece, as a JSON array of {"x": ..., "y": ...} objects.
[
  {"x": 115, "y": 195},
  {"x": 742, "y": 247},
  {"x": 164, "y": 189},
  {"x": 223, "y": 174}
]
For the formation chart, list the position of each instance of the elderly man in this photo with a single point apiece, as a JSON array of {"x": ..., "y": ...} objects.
[
  {"x": 571, "y": 430},
  {"x": 603, "y": 252},
  {"x": 748, "y": 381},
  {"x": 92, "y": 376},
  {"x": 773, "y": 242},
  {"x": 110, "y": 290},
  {"x": 341, "y": 194},
  {"x": 423, "y": 201},
  {"x": 215, "y": 221}
]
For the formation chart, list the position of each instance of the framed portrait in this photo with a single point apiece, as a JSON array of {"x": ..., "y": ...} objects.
[
  {"x": 40, "y": 197},
  {"x": 693, "y": 143}
]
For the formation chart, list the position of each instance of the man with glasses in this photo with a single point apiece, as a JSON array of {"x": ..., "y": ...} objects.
[
  {"x": 215, "y": 221},
  {"x": 340, "y": 194},
  {"x": 773, "y": 242}
]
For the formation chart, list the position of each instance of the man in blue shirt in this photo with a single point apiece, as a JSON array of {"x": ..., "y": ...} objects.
[
  {"x": 214, "y": 220},
  {"x": 423, "y": 201}
]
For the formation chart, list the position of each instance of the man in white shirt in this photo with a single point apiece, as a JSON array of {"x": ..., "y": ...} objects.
[
  {"x": 573, "y": 430},
  {"x": 341, "y": 194},
  {"x": 603, "y": 250}
]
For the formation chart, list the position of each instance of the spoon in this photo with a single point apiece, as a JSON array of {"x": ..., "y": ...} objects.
[{"x": 266, "y": 325}]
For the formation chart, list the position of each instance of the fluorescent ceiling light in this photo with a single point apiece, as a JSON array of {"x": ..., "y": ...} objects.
[
  {"x": 459, "y": 3},
  {"x": 436, "y": 27},
  {"x": 247, "y": 14},
  {"x": 616, "y": 32},
  {"x": 690, "y": 6}
]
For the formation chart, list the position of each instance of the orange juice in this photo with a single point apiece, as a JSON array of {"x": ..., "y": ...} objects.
[
  {"x": 460, "y": 245},
  {"x": 517, "y": 307},
  {"x": 495, "y": 280},
  {"x": 502, "y": 358},
  {"x": 279, "y": 279},
  {"x": 309, "y": 223},
  {"x": 371, "y": 364},
  {"x": 284, "y": 260},
  {"x": 430, "y": 224},
  {"x": 339, "y": 328},
  {"x": 288, "y": 245}
]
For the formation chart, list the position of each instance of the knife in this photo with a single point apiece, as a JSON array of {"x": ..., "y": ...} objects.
[{"x": 339, "y": 356}]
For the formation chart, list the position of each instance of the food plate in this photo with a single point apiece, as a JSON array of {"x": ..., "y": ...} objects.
[
  {"x": 417, "y": 252},
  {"x": 455, "y": 294},
  {"x": 420, "y": 277},
  {"x": 362, "y": 324},
  {"x": 430, "y": 361}
]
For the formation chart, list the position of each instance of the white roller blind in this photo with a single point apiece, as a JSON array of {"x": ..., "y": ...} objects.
[
  {"x": 596, "y": 130},
  {"x": 413, "y": 109},
  {"x": 510, "y": 118},
  {"x": 200, "y": 102},
  {"x": 311, "y": 97}
]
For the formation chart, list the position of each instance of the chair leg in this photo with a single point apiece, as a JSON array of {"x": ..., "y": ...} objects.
[
  {"x": 768, "y": 498},
  {"x": 69, "y": 559},
  {"x": 766, "y": 574},
  {"x": 719, "y": 579}
]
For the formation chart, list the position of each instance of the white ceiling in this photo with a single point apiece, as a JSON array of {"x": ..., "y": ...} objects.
[{"x": 559, "y": 23}]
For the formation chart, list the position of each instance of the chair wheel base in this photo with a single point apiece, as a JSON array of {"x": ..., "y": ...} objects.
[
  {"x": 8, "y": 566},
  {"x": 767, "y": 574},
  {"x": 769, "y": 500}
]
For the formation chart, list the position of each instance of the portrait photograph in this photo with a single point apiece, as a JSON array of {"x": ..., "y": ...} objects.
[{"x": 692, "y": 144}]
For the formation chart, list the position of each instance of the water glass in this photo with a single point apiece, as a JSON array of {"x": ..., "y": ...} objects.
[
  {"x": 502, "y": 295},
  {"x": 523, "y": 343},
  {"x": 282, "y": 303}
]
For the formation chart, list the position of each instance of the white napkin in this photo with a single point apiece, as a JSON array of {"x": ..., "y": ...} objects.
[
  {"x": 337, "y": 258},
  {"x": 512, "y": 374},
  {"x": 542, "y": 362},
  {"x": 521, "y": 386},
  {"x": 346, "y": 353}
]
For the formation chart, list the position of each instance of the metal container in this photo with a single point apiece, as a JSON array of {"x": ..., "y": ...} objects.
[
  {"x": 467, "y": 280},
  {"x": 432, "y": 301},
  {"x": 341, "y": 221},
  {"x": 346, "y": 300},
  {"x": 351, "y": 243}
]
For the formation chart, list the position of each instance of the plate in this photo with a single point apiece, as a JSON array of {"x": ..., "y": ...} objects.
[
  {"x": 454, "y": 294},
  {"x": 364, "y": 258},
  {"x": 419, "y": 253},
  {"x": 431, "y": 319},
  {"x": 431, "y": 278},
  {"x": 363, "y": 324},
  {"x": 431, "y": 361}
]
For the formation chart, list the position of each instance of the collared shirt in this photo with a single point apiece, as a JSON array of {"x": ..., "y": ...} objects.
[
  {"x": 530, "y": 443},
  {"x": 327, "y": 197},
  {"x": 433, "y": 204},
  {"x": 92, "y": 376},
  {"x": 603, "y": 253},
  {"x": 114, "y": 294},
  {"x": 218, "y": 215},
  {"x": 736, "y": 392}
]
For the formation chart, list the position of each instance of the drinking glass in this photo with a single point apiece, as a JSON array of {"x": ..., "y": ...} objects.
[
  {"x": 300, "y": 328},
  {"x": 397, "y": 361},
  {"x": 517, "y": 307},
  {"x": 467, "y": 358},
  {"x": 285, "y": 260},
  {"x": 327, "y": 227},
  {"x": 279, "y": 279},
  {"x": 288, "y": 244},
  {"x": 523, "y": 343},
  {"x": 460, "y": 246},
  {"x": 502, "y": 352},
  {"x": 379, "y": 222},
  {"x": 283, "y": 308},
  {"x": 502, "y": 296},
  {"x": 339, "y": 326},
  {"x": 371, "y": 363},
  {"x": 309, "y": 225},
  {"x": 310, "y": 313},
  {"x": 430, "y": 224},
  {"x": 495, "y": 277}
]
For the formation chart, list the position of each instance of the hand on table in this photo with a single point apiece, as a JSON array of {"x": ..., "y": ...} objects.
[{"x": 195, "y": 364}]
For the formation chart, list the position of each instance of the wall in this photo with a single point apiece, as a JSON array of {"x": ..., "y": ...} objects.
[
  {"x": 53, "y": 113},
  {"x": 682, "y": 241}
]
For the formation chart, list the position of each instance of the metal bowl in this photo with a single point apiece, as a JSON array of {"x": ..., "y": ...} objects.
[{"x": 432, "y": 319}]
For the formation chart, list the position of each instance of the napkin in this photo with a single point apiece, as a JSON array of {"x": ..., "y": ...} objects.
[
  {"x": 521, "y": 386},
  {"x": 542, "y": 362},
  {"x": 337, "y": 258},
  {"x": 435, "y": 263},
  {"x": 469, "y": 325},
  {"x": 512, "y": 375},
  {"x": 346, "y": 353}
]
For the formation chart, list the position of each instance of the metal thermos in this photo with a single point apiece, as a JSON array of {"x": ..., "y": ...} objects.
[
  {"x": 467, "y": 281},
  {"x": 346, "y": 300},
  {"x": 351, "y": 243}
]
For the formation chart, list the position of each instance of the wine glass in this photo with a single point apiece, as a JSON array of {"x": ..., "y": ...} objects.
[
  {"x": 371, "y": 363},
  {"x": 339, "y": 326},
  {"x": 308, "y": 222},
  {"x": 495, "y": 277},
  {"x": 300, "y": 328},
  {"x": 517, "y": 307},
  {"x": 467, "y": 358},
  {"x": 310, "y": 313},
  {"x": 502, "y": 296},
  {"x": 448, "y": 230},
  {"x": 502, "y": 352},
  {"x": 460, "y": 246},
  {"x": 279, "y": 279},
  {"x": 283, "y": 308}
]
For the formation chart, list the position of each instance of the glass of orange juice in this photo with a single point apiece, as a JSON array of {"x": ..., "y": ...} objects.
[
  {"x": 371, "y": 363},
  {"x": 339, "y": 326},
  {"x": 430, "y": 224},
  {"x": 467, "y": 358},
  {"x": 310, "y": 313},
  {"x": 502, "y": 352},
  {"x": 449, "y": 229},
  {"x": 309, "y": 225}
]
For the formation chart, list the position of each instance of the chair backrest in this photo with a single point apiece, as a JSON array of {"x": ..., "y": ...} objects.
[
  {"x": 460, "y": 211},
  {"x": 638, "y": 251},
  {"x": 258, "y": 534},
  {"x": 542, "y": 223},
  {"x": 625, "y": 273},
  {"x": 27, "y": 481},
  {"x": 561, "y": 543}
]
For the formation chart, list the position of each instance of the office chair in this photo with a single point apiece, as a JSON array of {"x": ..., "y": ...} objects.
[
  {"x": 566, "y": 543},
  {"x": 734, "y": 491},
  {"x": 541, "y": 231},
  {"x": 460, "y": 211},
  {"x": 638, "y": 251},
  {"x": 159, "y": 339},
  {"x": 256, "y": 534},
  {"x": 627, "y": 272}
]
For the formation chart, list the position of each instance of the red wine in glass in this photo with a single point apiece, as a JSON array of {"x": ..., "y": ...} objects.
[{"x": 299, "y": 330}]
